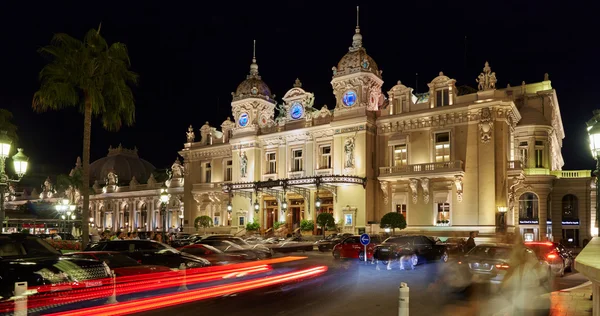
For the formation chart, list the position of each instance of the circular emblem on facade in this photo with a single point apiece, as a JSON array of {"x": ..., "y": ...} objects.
[
  {"x": 263, "y": 120},
  {"x": 243, "y": 120},
  {"x": 349, "y": 98},
  {"x": 254, "y": 91},
  {"x": 365, "y": 63},
  {"x": 296, "y": 110}
]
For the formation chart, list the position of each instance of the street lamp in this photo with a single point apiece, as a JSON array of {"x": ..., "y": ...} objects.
[
  {"x": 318, "y": 203},
  {"x": 256, "y": 206},
  {"x": 593, "y": 129},
  {"x": 229, "y": 207},
  {"x": 164, "y": 198},
  {"x": 20, "y": 162}
]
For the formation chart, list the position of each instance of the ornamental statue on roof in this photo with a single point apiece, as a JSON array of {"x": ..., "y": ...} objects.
[
  {"x": 190, "y": 134},
  {"x": 487, "y": 79}
]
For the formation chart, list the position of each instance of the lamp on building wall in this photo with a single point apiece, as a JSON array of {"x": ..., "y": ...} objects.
[
  {"x": 593, "y": 129},
  {"x": 164, "y": 199},
  {"x": 318, "y": 203},
  {"x": 229, "y": 207},
  {"x": 20, "y": 163},
  {"x": 256, "y": 206}
]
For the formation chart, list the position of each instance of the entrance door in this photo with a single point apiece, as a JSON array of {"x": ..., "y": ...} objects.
[{"x": 297, "y": 210}]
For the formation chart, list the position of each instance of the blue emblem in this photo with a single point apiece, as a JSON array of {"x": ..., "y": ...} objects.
[
  {"x": 243, "y": 120},
  {"x": 349, "y": 98}
]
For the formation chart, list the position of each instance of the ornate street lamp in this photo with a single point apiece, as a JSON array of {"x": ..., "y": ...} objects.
[
  {"x": 318, "y": 203},
  {"x": 593, "y": 129},
  {"x": 164, "y": 198},
  {"x": 229, "y": 207},
  {"x": 256, "y": 206},
  {"x": 502, "y": 211},
  {"x": 20, "y": 162}
]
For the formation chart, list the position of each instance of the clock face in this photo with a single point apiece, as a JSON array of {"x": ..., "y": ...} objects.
[
  {"x": 349, "y": 98},
  {"x": 296, "y": 111},
  {"x": 243, "y": 120}
]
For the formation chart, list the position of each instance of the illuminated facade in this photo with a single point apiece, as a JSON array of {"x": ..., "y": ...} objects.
[{"x": 451, "y": 160}]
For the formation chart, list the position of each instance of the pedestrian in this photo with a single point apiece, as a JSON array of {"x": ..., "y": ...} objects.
[{"x": 470, "y": 242}]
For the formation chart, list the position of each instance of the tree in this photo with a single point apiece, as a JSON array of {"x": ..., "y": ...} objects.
[
  {"x": 393, "y": 220},
  {"x": 93, "y": 77},
  {"x": 7, "y": 125},
  {"x": 325, "y": 220},
  {"x": 203, "y": 221}
]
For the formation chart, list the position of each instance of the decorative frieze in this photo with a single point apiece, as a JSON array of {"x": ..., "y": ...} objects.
[
  {"x": 458, "y": 183},
  {"x": 384, "y": 189},
  {"x": 413, "y": 183},
  {"x": 425, "y": 187}
]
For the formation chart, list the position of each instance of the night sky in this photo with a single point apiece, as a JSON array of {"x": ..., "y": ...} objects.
[{"x": 190, "y": 58}]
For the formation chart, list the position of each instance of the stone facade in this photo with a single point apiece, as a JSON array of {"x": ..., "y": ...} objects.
[{"x": 448, "y": 161}]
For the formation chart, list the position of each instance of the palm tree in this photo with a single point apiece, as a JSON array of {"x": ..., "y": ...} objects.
[
  {"x": 93, "y": 77},
  {"x": 7, "y": 125}
]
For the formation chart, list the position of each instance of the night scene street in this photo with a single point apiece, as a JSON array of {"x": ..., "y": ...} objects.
[{"x": 299, "y": 158}]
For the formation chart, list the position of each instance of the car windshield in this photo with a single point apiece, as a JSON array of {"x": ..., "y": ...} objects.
[
  {"x": 231, "y": 246},
  {"x": 491, "y": 252},
  {"x": 27, "y": 246}
]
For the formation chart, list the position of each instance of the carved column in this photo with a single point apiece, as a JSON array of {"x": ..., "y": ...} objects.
[
  {"x": 384, "y": 189},
  {"x": 413, "y": 184},
  {"x": 458, "y": 183},
  {"x": 425, "y": 187}
]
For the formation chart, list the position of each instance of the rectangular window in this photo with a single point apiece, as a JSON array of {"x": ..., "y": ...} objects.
[
  {"x": 241, "y": 221},
  {"x": 272, "y": 163},
  {"x": 443, "y": 213},
  {"x": 397, "y": 106},
  {"x": 207, "y": 173},
  {"x": 400, "y": 155},
  {"x": 348, "y": 220},
  {"x": 228, "y": 170},
  {"x": 539, "y": 158},
  {"x": 401, "y": 208},
  {"x": 325, "y": 157},
  {"x": 216, "y": 221},
  {"x": 297, "y": 160},
  {"x": 442, "y": 97},
  {"x": 442, "y": 147},
  {"x": 524, "y": 154}
]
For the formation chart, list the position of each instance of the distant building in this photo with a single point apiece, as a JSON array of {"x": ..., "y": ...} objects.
[{"x": 450, "y": 161}]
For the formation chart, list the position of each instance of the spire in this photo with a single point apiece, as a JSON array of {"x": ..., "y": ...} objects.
[
  {"x": 254, "y": 65},
  {"x": 357, "y": 38}
]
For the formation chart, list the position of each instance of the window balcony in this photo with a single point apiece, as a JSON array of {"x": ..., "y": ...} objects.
[
  {"x": 295, "y": 174},
  {"x": 324, "y": 172},
  {"x": 449, "y": 168},
  {"x": 272, "y": 176}
]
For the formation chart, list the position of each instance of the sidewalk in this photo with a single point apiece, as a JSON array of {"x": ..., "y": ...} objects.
[{"x": 572, "y": 302}]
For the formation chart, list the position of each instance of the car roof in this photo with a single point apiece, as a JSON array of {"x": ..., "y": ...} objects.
[{"x": 498, "y": 244}]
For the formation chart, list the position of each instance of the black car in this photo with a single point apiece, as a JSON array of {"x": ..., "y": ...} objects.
[
  {"x": 230, "y": 247},
  {"x": 419, "y": 248},
  {"x": 329, "y": 242},
  {"x": 264, "y": 251},
  {"x": 28, "y": 258},
  {"x": 150, "y": 252}
]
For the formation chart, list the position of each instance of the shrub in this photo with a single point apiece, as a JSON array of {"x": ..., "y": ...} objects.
[
  {"x": 253, "y": 226},
  {"x": 325, "y": 220},
  {"x": 393, "y": 220},
  {"x": 307, "y": 225}
]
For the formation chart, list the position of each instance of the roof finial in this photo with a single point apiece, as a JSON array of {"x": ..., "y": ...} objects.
[
  {"x": 254, "y": 65},
  {"x": 357, "y": 38}
]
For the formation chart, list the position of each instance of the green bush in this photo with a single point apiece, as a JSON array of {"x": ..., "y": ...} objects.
[
  {"x": 325, "y": 220},
  {"x": 253, "y": 226},
  {"x": 203, "y": 221},
  {"x": 307, "y": 225},
  {"x": 278, "y": 225},
  {"x": 393, "y": 220}
]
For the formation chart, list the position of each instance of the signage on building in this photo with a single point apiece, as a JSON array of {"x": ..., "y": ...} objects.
[
  {"x": 529, "y": 221},
  {"x": 571, "y": 222}
]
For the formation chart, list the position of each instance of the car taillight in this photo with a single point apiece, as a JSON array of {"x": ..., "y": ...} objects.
[
  {"x": 551, "y": 256},
  {"x": 502, "y": 266}
]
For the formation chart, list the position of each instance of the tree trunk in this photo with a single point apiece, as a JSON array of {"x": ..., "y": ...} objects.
[{"x": 85, "y": 187}]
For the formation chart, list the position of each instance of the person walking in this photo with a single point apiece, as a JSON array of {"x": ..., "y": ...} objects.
[{"x": 470, "y": 242}]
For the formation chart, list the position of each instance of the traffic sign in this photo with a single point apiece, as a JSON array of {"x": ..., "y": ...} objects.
[{"x": 365, "y": 239}]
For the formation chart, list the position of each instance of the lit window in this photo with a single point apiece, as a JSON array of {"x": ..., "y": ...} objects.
[
  {"x": 297, "y": 162},
  {"x": 400, "y": 155},
  {"x": 325, "y": 159},
  {"x": 528, "y": 206},
  {"x": 569, "y": 207},
  {"x": 442, "y": 97},
  {"x": 442, "y": 147},
  {"x": 401, "y": 208},
  {"x": 272, "y": 163},
  {"x": 443, "y": 213},
  {"x": 539, "y": 154}
]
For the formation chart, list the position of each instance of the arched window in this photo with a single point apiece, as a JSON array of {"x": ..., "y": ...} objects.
[
  {"x": 144, "y": 215},
  {"x": 528, "y": 206},
  {"x": 569, "y": 207}
]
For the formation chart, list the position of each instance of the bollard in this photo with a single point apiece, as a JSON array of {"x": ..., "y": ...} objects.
[
  {"x": 113, "y": 298},
  {"x": 183, "y": 286},
  {"x": 21, "y": 299},
  {"x": 403, "y": 299}
]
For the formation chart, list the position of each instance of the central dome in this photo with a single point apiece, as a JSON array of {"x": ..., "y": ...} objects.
[
  {"x": 252, "y": 87},
  {"x": 125, "y": 163}
]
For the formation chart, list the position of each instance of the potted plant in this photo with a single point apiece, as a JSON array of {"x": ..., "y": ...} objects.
[{"x": 306, "y": 227}]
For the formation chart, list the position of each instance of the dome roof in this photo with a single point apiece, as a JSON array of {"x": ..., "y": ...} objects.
[
  {"x": 253, "y": 86},
  {"x": 355, "y": 61},
  {"x": 531, "y": 116},
  {"x": 125, "y": 163}
]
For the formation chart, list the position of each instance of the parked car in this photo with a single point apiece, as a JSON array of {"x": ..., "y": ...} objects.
[
  {"x": 150, "y": 252},
  {"x": 216, "y": 256},
  {"x": 28, "y": 258},
  {"x": 351, "y": 247},
  {"x": 229, "y": 247},
  {"x": 121, "y": 264},
  {"x": 263, "y": 249},
  {"x": 491, "y": 264},
  {"x": 290, "y": 244},
  {"x": 330, "y": 241},
  {"x": 420, "y": 248},
  {"x": 558, "y": 257}
]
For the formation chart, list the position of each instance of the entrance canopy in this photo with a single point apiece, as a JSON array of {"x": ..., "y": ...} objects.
[{"x": 302, "y": 186}]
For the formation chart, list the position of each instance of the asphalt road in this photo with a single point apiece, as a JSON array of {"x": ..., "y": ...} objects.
[{"x": 351, "y": 288}]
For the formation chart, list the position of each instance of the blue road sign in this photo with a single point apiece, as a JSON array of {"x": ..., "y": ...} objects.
[{"x": 365, "y": 239}]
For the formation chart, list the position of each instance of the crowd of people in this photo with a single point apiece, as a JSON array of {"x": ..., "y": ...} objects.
[{"x": 120, "y": 235}]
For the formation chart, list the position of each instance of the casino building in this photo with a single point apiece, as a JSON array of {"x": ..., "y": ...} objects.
[{"x": 450, "y": 160}]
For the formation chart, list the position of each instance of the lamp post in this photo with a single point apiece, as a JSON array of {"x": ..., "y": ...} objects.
[
  {"x": 63, "y": 207},
  {"x": 593, "y": 129},
  {"x": 164, "y": 198},
  {"x": 20, "y": 162}
]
